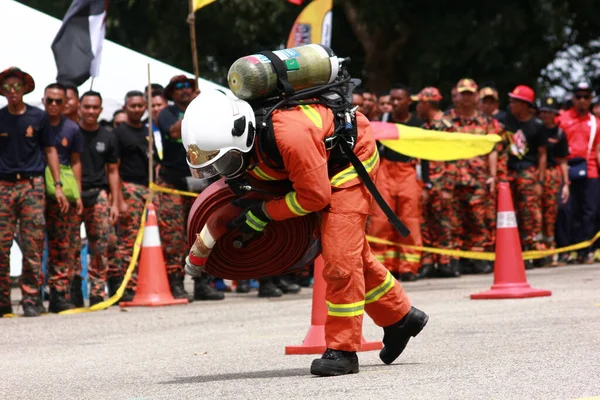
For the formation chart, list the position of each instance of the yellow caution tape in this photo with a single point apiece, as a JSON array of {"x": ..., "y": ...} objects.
[
  {"x": 488, "y": 256},
  {"x": 134, "y": 257},
  {"x": 154, "y": 187}
]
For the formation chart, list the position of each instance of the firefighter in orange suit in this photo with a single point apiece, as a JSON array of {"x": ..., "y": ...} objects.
[
  {"x": 219, "y": 136},
  {"x": 402, "y": 190}
]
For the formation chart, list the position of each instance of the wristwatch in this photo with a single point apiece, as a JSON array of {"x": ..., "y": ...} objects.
[
  {"x": 58, "y": 183},
  {"x": 427, "y": 185}
]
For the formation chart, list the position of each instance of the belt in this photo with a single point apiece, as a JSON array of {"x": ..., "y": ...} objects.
[{"x": 19, "y": 176}]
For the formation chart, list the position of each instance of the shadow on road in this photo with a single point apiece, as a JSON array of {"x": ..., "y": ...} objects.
[{"x": 277, "y": 373}]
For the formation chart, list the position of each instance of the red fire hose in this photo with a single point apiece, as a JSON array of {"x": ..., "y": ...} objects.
[{"x": 283, "y": 246}]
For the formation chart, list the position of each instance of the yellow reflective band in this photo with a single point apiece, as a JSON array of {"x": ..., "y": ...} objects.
[
  {"x": 350, "y": 173},
  {"x": 380, "y": 257},
  {"x": 263, "y": 175},
  {"x": 346, "y": 310},
  {"x": 292, "y": 202},
  {"x": 410, "y": 257},
  {"x": 379, "y": 291},
  {"x": 255, "y": 223},
  {"x": 313, "y": 115},
  {"x": 391, "y": 254}
]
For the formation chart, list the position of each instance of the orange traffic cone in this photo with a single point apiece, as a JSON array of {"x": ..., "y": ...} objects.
[
  {"x": 314, "y": 342},
  {"x": 152, "y": 286},
  {"x": 510, "y": 281}
]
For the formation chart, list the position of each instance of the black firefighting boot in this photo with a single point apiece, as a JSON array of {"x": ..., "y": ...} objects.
[
  {"x": 335, "y": 363},
  {"x": 266, "y": 288},
  {"x": 396, "y": 336},
  {"x": 203, "y": 290},
  {"x": 242, "y": 286},
  {"x": 177, "y": 289},
  {"x": 40, "y": 304},
  {"x": 449, "y": 270},
  {"x": 5, "y": 309},
  {"x": 482, "y": 267},
  {"x": 286, "y": 286},
  {"x": 95, "y": 300},
  {"x": 426, "y": 271},
  {"x": 76, "y": 292},
  {"x": 58, "y": 302}
]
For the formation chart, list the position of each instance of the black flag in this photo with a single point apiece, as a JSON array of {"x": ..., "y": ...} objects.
[{"x": 78, "y": 44}]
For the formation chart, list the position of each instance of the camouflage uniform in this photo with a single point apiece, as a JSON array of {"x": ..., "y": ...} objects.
[
  {"x": 129, "y": 224},
  {"x": 97, "y": 226},
  {"x": 552, "y": 186},
  {"x": 472, "y": 198},
  {"x": 439, "y": 216},
  {"x": 23, "y": 200},
  {"x": 527, "y": 206},
  {"x": 64, "y": 241}
]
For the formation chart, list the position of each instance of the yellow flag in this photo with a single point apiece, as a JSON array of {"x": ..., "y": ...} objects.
[
  {"x": 432, "y": 145},
  {"x": 198, "y": 4},
  {"x": 313, "y": 25}
]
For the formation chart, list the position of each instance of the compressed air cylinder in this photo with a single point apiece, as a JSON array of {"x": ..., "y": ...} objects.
[{"x": 253, "y": 77}]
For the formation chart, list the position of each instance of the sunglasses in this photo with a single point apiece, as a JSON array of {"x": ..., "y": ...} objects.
[
  {"x": 583, "y": 96},
  {"x": 57, "y": 101},
  {"x": 16, "y": 86},
  {"x": 182, "y": 85}
]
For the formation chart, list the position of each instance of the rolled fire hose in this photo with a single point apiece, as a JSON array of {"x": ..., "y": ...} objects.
[{"x": 282, "y": 247}]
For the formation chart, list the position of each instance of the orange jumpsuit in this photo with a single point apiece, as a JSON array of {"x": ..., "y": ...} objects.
[{"x": 356, "y": 281}]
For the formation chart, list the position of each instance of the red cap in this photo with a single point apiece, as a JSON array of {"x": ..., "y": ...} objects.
[{"x": 523, "y": 93}]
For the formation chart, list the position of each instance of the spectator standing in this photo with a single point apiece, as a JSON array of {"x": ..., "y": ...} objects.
[
  {"x": 489, "y": 103},
  {"x": 582, "y": 130},
  {"x": 475, "y": 179},
  {"x": 71, "y": 110},
  {"x": 174, "y": 171},
  {"x": 25, "y": 137},
  {"x": 400, "y": 187},
  {"x": 527, "y": 152},
  {"x": 99, "y": 160},
  {"x": 437, "y": 203},
  {"x": 557, "y": 171},
  {"x": 64, "y": 239}
]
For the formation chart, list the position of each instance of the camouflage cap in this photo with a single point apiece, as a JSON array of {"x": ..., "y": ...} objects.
[
  {"x": 428, "y": 94},
  {"x": 466, "y": 85},
  {"x": 488, "y": 92}
]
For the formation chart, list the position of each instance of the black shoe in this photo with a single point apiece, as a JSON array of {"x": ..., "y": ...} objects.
[
  {"x": 335, "y": 363},
  {"x": 5, "y": 309},
  {"x": 177, "y": 289},
  {"x": 448, "y": 270},
  {"x": 482, "y": 267},
  {"x": 267, "y": 288},
  {"x": 465, "y": 266},
  {"x": 242, "y": 286},
  {"x": 426, "y": 271},
  {"x": 58, "y": 302},
  {"x": 40, "y": 304},
  {"x": 30, "y": 308},
  {"x": 76, "y": 292},
  {"x": 396, "y": 336},
  {"x": 113, "y": 283},
  {"x": 408, "y": 277},
  {"x": 285, "y": 286},
  {"x": 128, "y": 295},
  {"x": 203, "y": 290},
  {"x": 95, "y": 300}
]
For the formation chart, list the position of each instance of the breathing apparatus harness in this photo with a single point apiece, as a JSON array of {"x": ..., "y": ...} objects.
[{"x": 336, "y": 96}]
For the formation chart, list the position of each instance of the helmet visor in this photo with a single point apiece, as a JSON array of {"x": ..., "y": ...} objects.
[{"x": 228, "y": 165}]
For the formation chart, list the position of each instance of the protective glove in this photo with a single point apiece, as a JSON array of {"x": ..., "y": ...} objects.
[
  {"x": 235, "y": 185},
  {"x": 253, "y": 220}
]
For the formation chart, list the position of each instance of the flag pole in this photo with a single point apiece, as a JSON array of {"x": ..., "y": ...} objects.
[
  {"x": 92, "y": 84},
  {"x": 150, "y": 135},
  {"x": 191, "y": 20}
]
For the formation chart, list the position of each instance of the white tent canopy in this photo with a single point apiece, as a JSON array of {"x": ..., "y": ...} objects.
[{"x": 27, "y": 35}]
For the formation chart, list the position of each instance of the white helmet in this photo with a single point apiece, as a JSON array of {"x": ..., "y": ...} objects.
[{"x": 218, "y": 133}]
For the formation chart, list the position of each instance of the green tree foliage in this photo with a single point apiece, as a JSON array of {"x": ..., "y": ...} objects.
[{"x": 390, "y": 41}]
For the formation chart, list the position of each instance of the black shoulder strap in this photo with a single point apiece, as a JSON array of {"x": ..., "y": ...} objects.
[{"x": 281, "y": 70}]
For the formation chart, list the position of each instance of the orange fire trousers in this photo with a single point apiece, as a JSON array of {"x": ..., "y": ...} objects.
[
  {"x": 356, "y": 281},
  {"x": 397, "y": 182}
]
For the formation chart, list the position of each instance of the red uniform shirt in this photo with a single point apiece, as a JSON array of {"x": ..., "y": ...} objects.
[{"x": 578, "y": 130}]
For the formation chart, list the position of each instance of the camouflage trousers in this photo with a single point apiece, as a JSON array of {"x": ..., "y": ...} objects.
[
  {"x": 172, "y": 211},
  {"x": 471, "y": 215},
  {"x": 97, "y": 228},
  {"x": 438, "y": 222},
  {"x": 129, "y": 224},
  {"x": 550, "y": 197},
  {"x": 64, "y": 244},
  {"x": 527, "y": 207},
  {"x": 22, "y": 201}
]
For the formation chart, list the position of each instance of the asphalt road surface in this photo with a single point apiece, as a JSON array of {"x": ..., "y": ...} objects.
[{"x": 540, "y": 348}]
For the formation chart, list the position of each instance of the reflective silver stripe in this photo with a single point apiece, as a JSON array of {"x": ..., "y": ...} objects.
[{"x": 379, "y": 291}]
